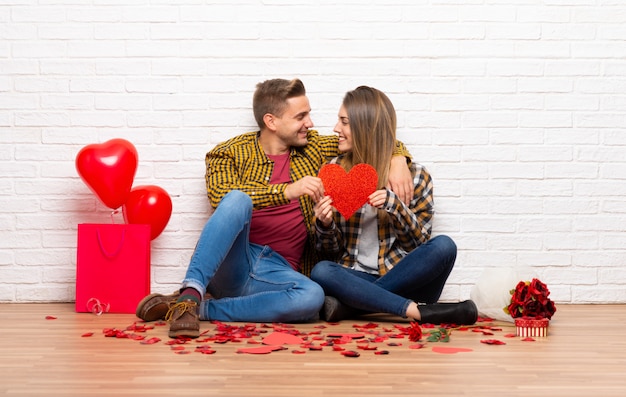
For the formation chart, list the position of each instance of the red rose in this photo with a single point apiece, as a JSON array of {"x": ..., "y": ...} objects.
[
  {"x": 530, "y": 299},
  {"x": 550, "y": 309},
  {"x": 415, "y": 332},
  {"x": 539, "y": 290}
]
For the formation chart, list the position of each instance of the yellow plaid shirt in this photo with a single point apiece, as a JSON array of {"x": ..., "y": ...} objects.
[{"x": 240, "y": 164}]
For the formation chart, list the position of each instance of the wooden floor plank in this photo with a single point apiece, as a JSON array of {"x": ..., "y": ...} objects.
[{"x": 583, "y": 355}]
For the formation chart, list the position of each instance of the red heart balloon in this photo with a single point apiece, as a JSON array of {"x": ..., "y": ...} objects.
[
  {"x": 149, "y": 205},
  {"x": 109, "y": 170},
  {"x": 349, "y": 191}
]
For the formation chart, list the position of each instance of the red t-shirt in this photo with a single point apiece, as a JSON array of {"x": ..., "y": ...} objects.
[{"x": 281, "y": 227}]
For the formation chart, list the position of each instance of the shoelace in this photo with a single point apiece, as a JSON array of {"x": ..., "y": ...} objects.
[{"x": 179, "y": 308}]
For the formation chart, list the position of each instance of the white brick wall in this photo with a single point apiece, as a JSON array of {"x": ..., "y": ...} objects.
[{"x": 517, "y": 107}]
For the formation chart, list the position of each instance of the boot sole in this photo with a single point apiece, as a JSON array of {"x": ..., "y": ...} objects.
[{"x": 183, "y": 334}]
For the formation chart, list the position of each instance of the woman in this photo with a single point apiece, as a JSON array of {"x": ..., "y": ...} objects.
[{"x": 384, "y": 258}]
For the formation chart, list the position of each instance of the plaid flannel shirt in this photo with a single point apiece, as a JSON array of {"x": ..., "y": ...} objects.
[
  {"x": 400, "y": 230},
  {"x": 240, "y": 164}
]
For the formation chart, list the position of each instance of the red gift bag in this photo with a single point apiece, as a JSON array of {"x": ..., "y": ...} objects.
[{"x": 112, "y": 267}]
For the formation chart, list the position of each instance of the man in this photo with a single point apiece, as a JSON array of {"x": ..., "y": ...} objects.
[{"x": 254, "y": 255}]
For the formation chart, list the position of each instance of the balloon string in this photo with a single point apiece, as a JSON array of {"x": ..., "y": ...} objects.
[{"x": 114, "y": 212}]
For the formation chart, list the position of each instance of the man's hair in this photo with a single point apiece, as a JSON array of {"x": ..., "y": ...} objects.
[
  {"x": 271, "y": 97},
  {"x": 372, "y": 119}
]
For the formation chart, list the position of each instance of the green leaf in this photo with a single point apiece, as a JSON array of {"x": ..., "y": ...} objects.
[{"x": 433, "y": 337}]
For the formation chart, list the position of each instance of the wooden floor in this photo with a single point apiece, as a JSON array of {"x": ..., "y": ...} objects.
[{"x": 583, "y": 355}]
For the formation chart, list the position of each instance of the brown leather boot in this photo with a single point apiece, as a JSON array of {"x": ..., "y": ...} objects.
[
  {"x": 183, "y": 319},
  {"x": 155, "y": 306}
]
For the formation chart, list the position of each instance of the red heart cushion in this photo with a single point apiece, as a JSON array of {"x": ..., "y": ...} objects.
[{"x": 349, "y": 191}]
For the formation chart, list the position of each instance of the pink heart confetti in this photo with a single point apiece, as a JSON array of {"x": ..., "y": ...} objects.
[{"x": 450, "y": 350}]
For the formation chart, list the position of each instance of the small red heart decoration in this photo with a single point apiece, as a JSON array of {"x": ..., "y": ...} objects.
[
  {"x": 342, "y": 335},
  {"x": 260, "y": 350},
  {"x": 349, "y": 191},
  {"x": 450, "y": 350},
  {"x": 109, "y": 170},
  {"x": 282, "y": 338}
]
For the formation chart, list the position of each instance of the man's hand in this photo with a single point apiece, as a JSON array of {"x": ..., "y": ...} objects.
[
  {"x": 310, "y": 185},
  {"x": 400, "y": 179}
]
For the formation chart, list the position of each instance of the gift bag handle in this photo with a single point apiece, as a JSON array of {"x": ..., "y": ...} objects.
[{"x": 117, "y": 250}]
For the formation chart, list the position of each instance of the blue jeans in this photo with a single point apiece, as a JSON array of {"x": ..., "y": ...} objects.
[
  {"x": 419, "y": 277},
  {"x": 249, "y": 282}
]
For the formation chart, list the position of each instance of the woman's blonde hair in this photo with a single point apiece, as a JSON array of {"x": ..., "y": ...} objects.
[{"x": 372, "y": 119}]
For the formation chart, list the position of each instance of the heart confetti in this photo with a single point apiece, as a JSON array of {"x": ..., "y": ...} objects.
[
  {"x": 492, "y": 342},
  {"x": 282, "y": 338},
  {"x": 343, "y": 335},
  {"x": 351, "y": 190},
  {"x": 260, "y": 350},
  {"x": 369, "y": 339},
  {"x": 450, "y": 350}
]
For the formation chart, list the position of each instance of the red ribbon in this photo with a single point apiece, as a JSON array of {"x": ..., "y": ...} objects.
[{"x": 96, "y": 307}]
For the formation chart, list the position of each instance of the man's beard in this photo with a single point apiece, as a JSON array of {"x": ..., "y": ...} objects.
[{"x": 298, "y": 142}]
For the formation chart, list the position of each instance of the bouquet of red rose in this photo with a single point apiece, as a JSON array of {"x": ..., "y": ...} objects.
[{"x": 530, "y": 299}]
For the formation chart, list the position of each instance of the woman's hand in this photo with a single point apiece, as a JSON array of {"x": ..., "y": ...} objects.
[
  {"x": 324, "y": 211},
  {"x": 378, "y": 198}
]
